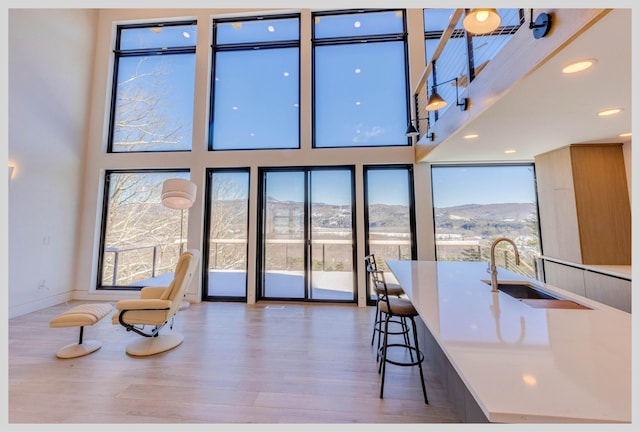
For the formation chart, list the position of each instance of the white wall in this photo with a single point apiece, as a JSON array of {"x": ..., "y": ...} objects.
[{"x": 50, "y": 71}]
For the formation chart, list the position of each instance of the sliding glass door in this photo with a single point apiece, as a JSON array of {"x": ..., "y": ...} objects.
[
  {"x": 283, "y": 235},
  {"x": 306, "y": 250}
]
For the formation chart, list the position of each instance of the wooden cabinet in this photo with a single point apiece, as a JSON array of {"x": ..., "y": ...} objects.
[{"x": 585, "y": 215}]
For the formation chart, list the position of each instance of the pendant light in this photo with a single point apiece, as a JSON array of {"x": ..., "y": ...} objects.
[{"x": 480, "y": 21}]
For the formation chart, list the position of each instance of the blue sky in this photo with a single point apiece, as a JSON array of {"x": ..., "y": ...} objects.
[{"x": 454, "y": 186}]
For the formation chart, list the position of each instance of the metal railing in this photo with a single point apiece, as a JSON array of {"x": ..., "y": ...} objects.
[
  {"x": 384, "y": 249},
  {"x": 117, "y": 252},
  {"x": 460, "y": 55}
]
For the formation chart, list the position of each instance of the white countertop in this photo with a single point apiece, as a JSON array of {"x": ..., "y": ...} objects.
[
  {"x": 524, "y": 364},
  {"x": 620, "y": 271}
]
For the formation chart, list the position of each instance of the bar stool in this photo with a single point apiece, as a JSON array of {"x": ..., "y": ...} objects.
[
  {"x": 394, "y": 290},
  {"x": 401, "y": 308}
]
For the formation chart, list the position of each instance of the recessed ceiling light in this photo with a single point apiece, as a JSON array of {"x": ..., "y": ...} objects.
[
  {"x": 471, "y": 136},
  {"x": 578, "y": 66},
  {"x": 625, "y": 135},
  {"x": 529, "y": 379},
  {"x": 509, "y": 151},
  {"x": 609, "y": 112}
]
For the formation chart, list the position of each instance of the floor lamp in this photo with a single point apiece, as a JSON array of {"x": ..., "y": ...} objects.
[{"x": 178, "y": 193}]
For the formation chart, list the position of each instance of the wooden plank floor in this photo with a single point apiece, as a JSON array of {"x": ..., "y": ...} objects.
[{"x": 259, "y": 364}]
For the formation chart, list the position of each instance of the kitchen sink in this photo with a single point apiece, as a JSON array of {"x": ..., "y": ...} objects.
[
  {"x": 522, "y": 290},
  {"x": 534, "y": 296}
]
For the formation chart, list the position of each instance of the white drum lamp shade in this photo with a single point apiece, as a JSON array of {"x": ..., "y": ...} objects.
[{"x": 178, "y": 193}]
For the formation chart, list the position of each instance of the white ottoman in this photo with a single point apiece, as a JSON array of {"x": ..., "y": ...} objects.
[{"x": 80, "y": 316}]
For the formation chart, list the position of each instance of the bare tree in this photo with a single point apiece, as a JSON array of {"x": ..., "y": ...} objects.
[
  {"x": 140, "y": 232},
  {"x": 143, "y": 120},
  {"x": 228, "y": 221}
]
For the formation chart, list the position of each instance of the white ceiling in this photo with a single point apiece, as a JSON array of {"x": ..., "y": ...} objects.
[{"x": 548, "y": 109}]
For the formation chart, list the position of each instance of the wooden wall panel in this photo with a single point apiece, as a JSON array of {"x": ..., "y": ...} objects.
[{"x": 602, "y": 203}]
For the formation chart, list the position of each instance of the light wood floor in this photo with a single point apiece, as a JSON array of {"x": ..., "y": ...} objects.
[{"x": 238, "y": 363}]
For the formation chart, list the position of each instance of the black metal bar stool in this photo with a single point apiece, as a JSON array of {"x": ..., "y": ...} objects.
[
  {"x": 393, "y": 290},
  {"x": 400, "y": 308}
]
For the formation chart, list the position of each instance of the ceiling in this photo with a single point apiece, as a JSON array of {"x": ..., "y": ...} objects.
[{"x": 548, "y": 109}]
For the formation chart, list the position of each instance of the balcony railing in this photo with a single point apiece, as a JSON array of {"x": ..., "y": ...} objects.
[
  {"x": 145, "y": 267},
  {"x": 460, "y": 55}
]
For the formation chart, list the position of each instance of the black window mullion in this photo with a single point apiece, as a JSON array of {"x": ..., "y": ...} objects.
[
  {"x": 155, "y": 51},
  {"x": 256, "y": 46}
]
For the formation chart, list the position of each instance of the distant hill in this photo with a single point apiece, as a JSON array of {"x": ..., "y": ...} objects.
[
  {"x": 519, "y": 212},
  {"x": 487, "y": 221},
  {"x": 382, "y": 215}
]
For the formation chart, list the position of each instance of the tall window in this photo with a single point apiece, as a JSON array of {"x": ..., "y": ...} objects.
[
  {"x": 227, "y": 225},
  {"x": 255, "y": 83},
  {"x": 389, "y": 215},
  {"x": 360, "y": 79},
  {"x": 153, "y": 88},
  {"x": 141, "y": 239},
  {"x": 473, "y": 205}
]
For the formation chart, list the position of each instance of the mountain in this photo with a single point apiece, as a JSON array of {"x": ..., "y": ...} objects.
[{"x": 518, "y": 212}]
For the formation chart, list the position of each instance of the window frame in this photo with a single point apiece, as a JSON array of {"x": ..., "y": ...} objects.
[
  {"x": 250, "y": 46},
  {"x": 206, "y": 247},
  {"x": 119, "y": 54},
  {"x": 262, "y": 203},
  {"x": 366, "y": 169},
  {"x": 100, "y": 286},
  {"x": 352, "y": 40},
  {"x": 485, "y": 165}
]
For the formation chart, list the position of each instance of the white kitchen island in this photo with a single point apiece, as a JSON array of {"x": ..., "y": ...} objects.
[{"x": 505, "y": 361}]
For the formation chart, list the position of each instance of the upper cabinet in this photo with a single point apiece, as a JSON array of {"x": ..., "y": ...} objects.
[{"x": 585, "y": 214}]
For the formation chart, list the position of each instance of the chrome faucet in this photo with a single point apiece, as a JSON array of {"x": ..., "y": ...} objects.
[{"x": 494, "y": 271}]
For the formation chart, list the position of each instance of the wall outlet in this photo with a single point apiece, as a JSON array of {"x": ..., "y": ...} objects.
[{"x": 42, "y": 284}]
